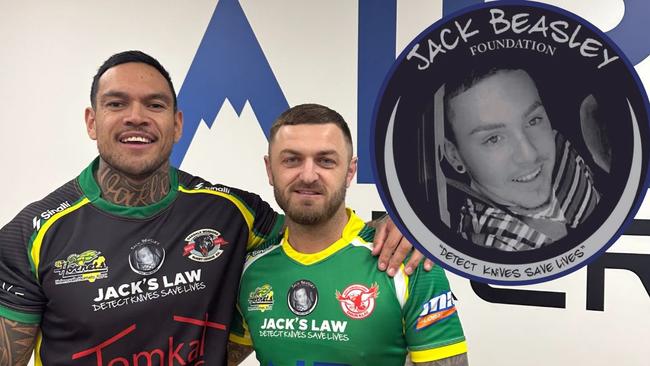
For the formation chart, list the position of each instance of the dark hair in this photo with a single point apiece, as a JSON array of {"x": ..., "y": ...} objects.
[
  {"x": 311, "y": 114},
  {"x": 126, "y": 57},
  {"x": 459, "y": 85}
]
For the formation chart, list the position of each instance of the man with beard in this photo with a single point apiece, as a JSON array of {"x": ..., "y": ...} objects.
[
  {"x": 97, "y": 309},
  {"x": 358, "y": 316}
]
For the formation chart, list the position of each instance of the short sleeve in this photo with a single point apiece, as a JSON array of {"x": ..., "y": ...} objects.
[
  {"x": 266, "y": 223},
  {"x": 432, "y": 326},
  {"x": 239, "y": 330},
  {"x": 21, "y": 298}
]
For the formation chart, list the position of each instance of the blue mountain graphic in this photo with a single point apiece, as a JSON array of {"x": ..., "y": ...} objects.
[{"x": 228, "y": 64}]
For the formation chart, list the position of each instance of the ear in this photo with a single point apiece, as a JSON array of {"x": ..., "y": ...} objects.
[
  {"x": 178, "y": 126},
  {"x": 91, "y": 126},
  {"x": 352, "y": 170},
  {"x": 269, "y": 173},
  {"x": 452, "y": 155}
]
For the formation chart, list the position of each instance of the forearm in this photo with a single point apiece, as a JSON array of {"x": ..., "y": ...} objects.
[
  {"x": 237, "y": 353},
  {"x": 458, "y": 360},
  {"x": 16, "y": 342}
]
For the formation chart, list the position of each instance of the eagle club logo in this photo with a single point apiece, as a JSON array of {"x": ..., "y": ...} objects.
[
  {"x": 203, "y": 245},
  {"x": 358, "y": 301}
]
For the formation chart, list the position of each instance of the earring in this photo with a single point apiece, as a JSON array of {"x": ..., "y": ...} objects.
[{"x": 460, "y": 168}]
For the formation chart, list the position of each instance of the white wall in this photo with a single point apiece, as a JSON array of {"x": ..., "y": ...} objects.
[{"x": 50, "y": 51}]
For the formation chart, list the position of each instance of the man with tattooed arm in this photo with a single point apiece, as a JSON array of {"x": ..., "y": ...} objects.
[{"x": 133, "y": 261}]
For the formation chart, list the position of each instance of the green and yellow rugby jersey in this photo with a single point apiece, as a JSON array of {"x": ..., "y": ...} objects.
[
  {"x": 115, "y": 285},
  {"x": 335, "y": 308}
]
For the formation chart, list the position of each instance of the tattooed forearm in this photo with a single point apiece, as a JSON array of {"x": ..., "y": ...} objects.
[
  {"x": 237, "y": 353},
  {"x": 458, "y": 360},
  {"x": 16, "y": 342},
  {"x": 122, "y": 190}
]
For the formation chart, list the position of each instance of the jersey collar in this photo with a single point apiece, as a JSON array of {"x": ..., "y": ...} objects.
[
  {"x": 350, "y": 231},
  {"x": 91, "y": 190}
]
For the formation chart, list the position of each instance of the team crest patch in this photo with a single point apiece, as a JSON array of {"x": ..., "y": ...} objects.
[
  {"x": 436, "y": 309},
  {"x": 146, "y": 257},
  {"x": 261, "y": 299},
  {"x": 86, "y": 266},
  {"x": 358, "y": 301},
  {"x": 203, "y": 245},
  {"x": 302, "y": 297}
]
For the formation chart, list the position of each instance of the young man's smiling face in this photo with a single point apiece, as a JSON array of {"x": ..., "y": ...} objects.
[
  {"x": 504, "y": 139},
  {"x": 134, "y": 121}
]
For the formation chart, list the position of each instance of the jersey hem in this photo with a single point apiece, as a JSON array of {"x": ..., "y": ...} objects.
[
  {"x": 18, "y": 316},
  {"x": 439, "y": 353},
  {"x": 240, "y": 340}
]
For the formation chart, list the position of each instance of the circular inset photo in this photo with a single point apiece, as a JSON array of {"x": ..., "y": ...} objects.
[
  {"x": 146, "y": 257},
  {"x": 511, "y": 142},
  {"x": 302, "y": 297}
]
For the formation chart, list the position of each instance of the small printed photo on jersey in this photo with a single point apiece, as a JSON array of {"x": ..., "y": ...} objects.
[
  {"x": 511, "y": 142},
  {"x": 302, "y": 297},
  {"x": 146, "y": 257}
]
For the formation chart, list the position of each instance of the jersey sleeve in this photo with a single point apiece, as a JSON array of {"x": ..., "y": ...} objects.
[
  {"x": 265, "y": 222},
  {"x": 21, "y": 298},
  {"x": 431, "y": 324},
  {"x": 239, "y": 330}
]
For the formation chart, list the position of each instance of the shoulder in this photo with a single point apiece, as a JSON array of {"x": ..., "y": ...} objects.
[
  {"x": 263, "y": 252},
  {"x": 190, "y": 184},
  {"x": 60, "y": 201}
]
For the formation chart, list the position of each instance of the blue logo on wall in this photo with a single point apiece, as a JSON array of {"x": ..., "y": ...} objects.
[
  {"x": 511, "y": 142},
  {"x": 230, "y": 64}
]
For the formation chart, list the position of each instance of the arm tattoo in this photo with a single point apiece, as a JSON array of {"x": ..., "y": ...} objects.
[
  {"x": 237, "y": 353},
  {"x": 16, "y": 342},
  {"x": 119, "y": 189},
  {"x": 458, "y": 360}
]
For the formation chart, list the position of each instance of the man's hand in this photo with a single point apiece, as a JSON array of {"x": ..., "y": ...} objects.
[{"x": 392, "y": 247}]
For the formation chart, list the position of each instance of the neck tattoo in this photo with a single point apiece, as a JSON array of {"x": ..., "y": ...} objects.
[{"x": 121, "y": 190}]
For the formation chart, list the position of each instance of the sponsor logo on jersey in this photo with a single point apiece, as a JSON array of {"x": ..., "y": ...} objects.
[
  {"x": 36, "y": 221},
  {"x": 175, "y": 350},
  {"x": 261, "y": 299},
  {"x": 258, "y": 252},
  {"x": 12, "y": 289},
  {"x": 146, "y": 257},
  {"x": 358, "y": 301},
  {"x": 212, "y": 188},
  {"x": 203, "y": 245},
  {"x": 436, "y": 309},
  {"x": 302, "y": 297},
  {"x": 86, "y": 266}
]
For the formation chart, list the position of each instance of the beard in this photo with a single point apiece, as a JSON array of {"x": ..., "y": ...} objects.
[{"x": 309, "y": 214}]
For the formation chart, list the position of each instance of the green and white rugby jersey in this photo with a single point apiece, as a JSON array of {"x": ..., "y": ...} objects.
[{"x": 335, "y": 308}]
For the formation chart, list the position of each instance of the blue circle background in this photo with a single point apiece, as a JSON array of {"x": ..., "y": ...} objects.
[{"x": 380, "y": 179}]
